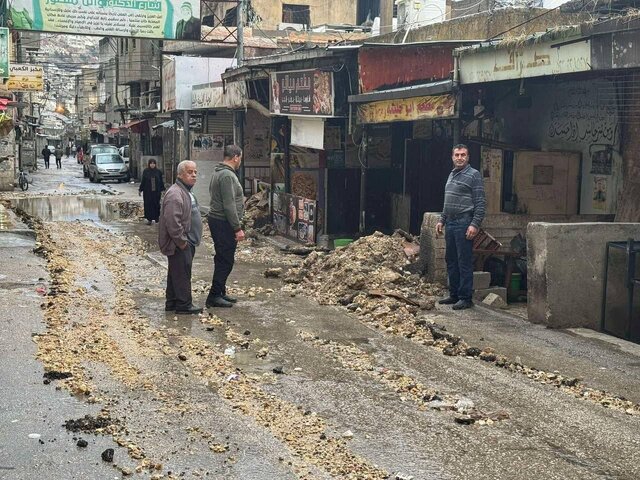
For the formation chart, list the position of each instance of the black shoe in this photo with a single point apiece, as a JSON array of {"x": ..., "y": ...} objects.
[
  {"x": 462, "y": 305},
  {"x": 191, "y": 310},
  {"x": 218, "y": 302},
  {"x": 448, "y": 301},
  {"x": 169, "y": 308},
  {"x": 230, "y": 299}
]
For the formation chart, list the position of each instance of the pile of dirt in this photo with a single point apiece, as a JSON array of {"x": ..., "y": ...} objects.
[
  {"x": 256, "y": 210},
  {"x": 89, "y": 424},
  {"x": 371, "y": 277}
]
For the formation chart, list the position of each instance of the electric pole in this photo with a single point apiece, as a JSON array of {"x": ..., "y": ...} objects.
[{"x": 241, "y": 13}]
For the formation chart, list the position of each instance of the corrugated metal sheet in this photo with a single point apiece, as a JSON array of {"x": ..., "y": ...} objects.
[
  {"x": 220, "y": 123},
  {"x": 392, "y": 67}
]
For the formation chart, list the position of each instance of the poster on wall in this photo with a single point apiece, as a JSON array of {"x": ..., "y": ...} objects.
[
  {"x": 4, "y": 52},
  {"x": 207, "y": 147},
  {"x": 161, "y": 19},
  {"x": 600, "y": 193},
  {"x": 302, "y": 92},
  {"x": 295, "y": 217},
  {"x": 601, "y": 160}
]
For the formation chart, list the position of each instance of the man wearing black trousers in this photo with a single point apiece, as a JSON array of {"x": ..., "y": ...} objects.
[
  {"x": 225, "y": 212},
  {"x": 179, "y": 233}
]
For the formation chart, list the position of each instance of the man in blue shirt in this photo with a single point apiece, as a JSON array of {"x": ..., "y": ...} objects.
[{"x": 463, "y": 212}]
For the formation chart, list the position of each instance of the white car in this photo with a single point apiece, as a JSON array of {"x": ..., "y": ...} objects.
[{"x": 124, "y": 153}]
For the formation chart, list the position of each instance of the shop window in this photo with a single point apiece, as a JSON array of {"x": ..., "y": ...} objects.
[{"x": 296, "y": 14}]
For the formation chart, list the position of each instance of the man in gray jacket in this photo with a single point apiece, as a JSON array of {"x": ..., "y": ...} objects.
[
  {"x": 225, "y": 212},
  {"x": 179, "y": 233}
]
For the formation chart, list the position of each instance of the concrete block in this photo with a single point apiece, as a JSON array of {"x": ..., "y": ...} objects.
[
  {"x": 500, "y": 291},
  {"x": 494, "y": 300},
  {"x": 565, "y": 274},
  {"x": 481, "y": 280}
]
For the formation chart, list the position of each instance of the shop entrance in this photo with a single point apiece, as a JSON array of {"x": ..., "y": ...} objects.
[{"x": 427, "y": 166}]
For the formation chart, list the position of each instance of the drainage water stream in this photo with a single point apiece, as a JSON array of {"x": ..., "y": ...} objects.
[{"x": 67, "y": 208}]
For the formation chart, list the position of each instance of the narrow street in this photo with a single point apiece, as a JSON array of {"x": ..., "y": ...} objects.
[{"x": 282, "y": 386}]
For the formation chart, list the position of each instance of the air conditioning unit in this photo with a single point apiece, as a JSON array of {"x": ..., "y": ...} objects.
[{"x": 298, "y": 27}]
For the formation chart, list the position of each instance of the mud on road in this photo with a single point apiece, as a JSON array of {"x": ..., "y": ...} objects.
[{"x": 282, "y": 387}]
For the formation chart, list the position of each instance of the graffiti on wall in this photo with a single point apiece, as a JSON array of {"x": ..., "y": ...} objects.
[{"x": 581, "y": 114}]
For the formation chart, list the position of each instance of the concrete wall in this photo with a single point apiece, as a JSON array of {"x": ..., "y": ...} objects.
[
  {"x": 327, "y": 11},
  {"x": 566, "y": 269},
  {"x": 486, "y": 25},
  {"x": 629, "y": 205}
]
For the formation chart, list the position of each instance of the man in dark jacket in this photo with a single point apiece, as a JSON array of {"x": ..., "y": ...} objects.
[
  {"x": 179, "y": 233},
  {"x": 225, "y": 212},
  {"x": 189, "y": 27},
  {"x": 46, "y": 154}
]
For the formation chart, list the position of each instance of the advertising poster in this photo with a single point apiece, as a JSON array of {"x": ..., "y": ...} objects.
[
  {"x": 600, "y": 193},
  {"x": 207, "y": 147},
  {"x": 25, "y": 78},
  {"x": 295, "y": 217},
  {"x": 304, "y": 92},
  {"x": 162, "y": 19},
  {"x": 4, "y": 53}
]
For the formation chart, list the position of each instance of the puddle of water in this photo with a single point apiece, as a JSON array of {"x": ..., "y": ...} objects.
[
  {"x": 6, "y": 222},
  {"x": 10, "y": 240},
  {"x": 66, "y": 209}
]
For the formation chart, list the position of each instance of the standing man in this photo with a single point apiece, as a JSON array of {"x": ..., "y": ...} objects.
[
  {"x": 179, "y": 233},
  {"x": 225, "y": 212},
  {"x": 464, "y": 208},
  {"x": 46, "y": 154},
  {"x": 58, "y": 154}
]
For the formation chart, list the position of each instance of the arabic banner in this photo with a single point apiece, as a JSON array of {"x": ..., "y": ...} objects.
[
  {"x": 407, "y": 109},
  {"x": 214, "y": 95},
  {"x": 25, "y": 78},
  {"x": 162, "y": 19},
  {"x": 4, "y": 53},
  {"x": 304, "y": 92}
]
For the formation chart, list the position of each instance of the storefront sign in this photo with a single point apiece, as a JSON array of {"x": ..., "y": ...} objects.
[
  {"x": 163, "y": 19},
  {"x": 304, "y": 92},
  {"x": 407, "y": 109},
  {"x": 527, "y": 61},
  {"x": 4, "y": 53},
  {"x": 25, "y": 78},
  {"x": 169, "y": 84},
  {"x": 214, "y": 95}
]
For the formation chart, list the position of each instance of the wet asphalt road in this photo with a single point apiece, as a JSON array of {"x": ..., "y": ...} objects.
[{"x": 187, "y": 408}]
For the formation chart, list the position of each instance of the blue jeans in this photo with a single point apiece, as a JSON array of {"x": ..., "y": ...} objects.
[{"x": 459, "y": 258}]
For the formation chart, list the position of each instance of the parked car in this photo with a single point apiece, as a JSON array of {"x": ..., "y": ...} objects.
[
  {"x": 95, "y": 150},
  {"x": 124, "y": 153},
  {"x": 107, "y": 166}
]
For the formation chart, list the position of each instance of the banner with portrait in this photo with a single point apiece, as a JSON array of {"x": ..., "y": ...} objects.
[{"x": 161, "y": 19}]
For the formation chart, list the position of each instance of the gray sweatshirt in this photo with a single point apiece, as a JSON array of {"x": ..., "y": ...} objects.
[{"x": 227, "y": 199}]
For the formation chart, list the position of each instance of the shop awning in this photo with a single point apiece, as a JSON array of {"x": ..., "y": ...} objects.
[
  {"x": 167, "y": 124},
  {"x": 427, "y": 89},
  {"x": 113, "y": 131},
  {"x": 408, "y": 104}
]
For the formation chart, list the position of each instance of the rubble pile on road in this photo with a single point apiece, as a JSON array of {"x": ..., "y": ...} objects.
[
  {"x": 371, "y": 277},
  {"x": 256, "y": 210}
]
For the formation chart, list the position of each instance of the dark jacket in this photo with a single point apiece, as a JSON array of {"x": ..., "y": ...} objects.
[
  {"x": 227, "y": 198},
  {"x": 175, "y": 219},
  {"x": 188, "y": 30}
]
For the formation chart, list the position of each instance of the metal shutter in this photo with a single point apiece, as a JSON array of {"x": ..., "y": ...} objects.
[{"x": 220, "y": 122}]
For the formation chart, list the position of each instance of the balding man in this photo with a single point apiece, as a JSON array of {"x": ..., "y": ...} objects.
[{"x": 179, "y": 233}]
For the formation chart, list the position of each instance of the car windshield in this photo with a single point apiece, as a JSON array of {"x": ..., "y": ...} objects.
[
  {"x": 103, "y": 149},
  {"x": 108, "y": 158}
]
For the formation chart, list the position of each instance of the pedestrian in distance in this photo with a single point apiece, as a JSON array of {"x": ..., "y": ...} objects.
[
  {"x": 225, "y": 211},
  {"x": 46, "y": 154},
  {"x": 58, "y": 154},
  {"x": 462, "y": 215},
  {"x": 179, "y": 233},
  {"x": 79, "y": 153},
  {"x": 151, "y": 188}
]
